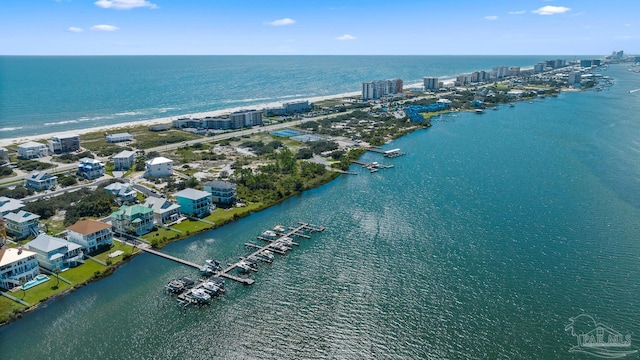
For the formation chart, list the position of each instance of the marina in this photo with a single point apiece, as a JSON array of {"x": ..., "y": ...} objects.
[{"x": 279, "y": 241}]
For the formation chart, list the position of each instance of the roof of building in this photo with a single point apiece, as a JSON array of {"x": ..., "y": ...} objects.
[
  {"x": 192, "y": 194},
  {"x": 120, "y": 189},
  {"x": 124, "y": 154},
  {"x": 66, "y": 136},
  {"x": 9, "y": 205},
  {"x": 47, "y": 243},
  {"x": 124, "y": 134},
  {"x": 131, "y": 211},
  {"x": 31, "y": 144},
  {"x": 40, "y": 176},
  {"x": 160, "y": 205},
  {"x": 88, "y": 226},
  {"x": 218, "y": 184},
  {"x": 21, "y": 216},
  {"x": 88, "y": 160},
  {"x": 10, "y": 255},
  {"x": 159, "y": 160}
]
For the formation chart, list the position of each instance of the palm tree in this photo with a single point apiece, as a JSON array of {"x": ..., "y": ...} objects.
[{"x": 57, "y": 272}]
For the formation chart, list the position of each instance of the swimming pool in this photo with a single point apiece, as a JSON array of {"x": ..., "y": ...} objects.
[{"x": 36, "y": 281}]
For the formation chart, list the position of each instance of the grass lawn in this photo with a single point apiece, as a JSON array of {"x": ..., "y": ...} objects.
[
  {"x": 191, "y": 226},
  {"x": 82, "y": 273},
  {"x": 117, "y": 245},
  {"x": 43, "y": 291},
  {"x": 160, "y": 234},
  {"x": 219, "y": 216},
  {"x": 8, "y": 307}
]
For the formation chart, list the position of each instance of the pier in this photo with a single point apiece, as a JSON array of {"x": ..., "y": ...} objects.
[
  {"x": 145, "y": 248},
  {"x": 387, "y": 153},
  {"x": 188, "y": 293}
]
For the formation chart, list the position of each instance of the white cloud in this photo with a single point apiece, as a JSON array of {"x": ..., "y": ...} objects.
[
  {"x": 124, "y": 4},
  {"x": 551, "y": 10},
  {"x": 491, "y": 17},
  {"x": 104, "y": 28},
  {"x": 74, "y": 29},
  {"x": 519, "y": 12},
  {"x": 282, "y": 22},
  {"x": 346, "y": 37}
]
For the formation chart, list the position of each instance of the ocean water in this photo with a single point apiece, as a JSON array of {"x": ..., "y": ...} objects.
[
  {"x": 46, "y": 94},
  {"x": 480, "y": 243}
]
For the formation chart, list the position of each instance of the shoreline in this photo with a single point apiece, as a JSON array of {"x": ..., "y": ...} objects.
[{"x": 167, "y": 120}]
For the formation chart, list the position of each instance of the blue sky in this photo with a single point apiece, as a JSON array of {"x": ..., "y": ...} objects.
[{"x": 275, "y": 27}]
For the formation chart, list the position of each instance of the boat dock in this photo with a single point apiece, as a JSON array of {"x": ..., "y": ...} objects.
[
  {"x": 166, "y": 256},
  {"x": 387, "y": 153},
  {"x": 372, "y": 166},
  {"x": 278, "y": 245}
]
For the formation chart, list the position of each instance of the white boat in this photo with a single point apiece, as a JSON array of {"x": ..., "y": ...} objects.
[
  {"x": 266, "y": 255},
  {"x": 211, "y": 287},
  {"x": 200, "y": 295},
  {"x": 269, "y": 234},
  {"x": 244, "y": 267},
  {"x": 175, "y": 286},
  {"x": 279, "y": 228}
]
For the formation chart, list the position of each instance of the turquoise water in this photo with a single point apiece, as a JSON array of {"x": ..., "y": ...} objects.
[
  {"x": 45, "y": 94},
  {"x": 36, "y": 281},
  {"x": 480, "y": 243}
]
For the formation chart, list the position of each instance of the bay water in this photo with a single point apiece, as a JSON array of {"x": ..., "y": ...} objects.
[{"x": 480, "y": 243}]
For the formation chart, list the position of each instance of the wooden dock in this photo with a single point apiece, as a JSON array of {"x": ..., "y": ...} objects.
[
  {"x": 279, "y": 246},
  {"x": 169, "y": 257}
]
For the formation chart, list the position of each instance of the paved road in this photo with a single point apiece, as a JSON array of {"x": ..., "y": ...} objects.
[{"x": 228, "y": 135}]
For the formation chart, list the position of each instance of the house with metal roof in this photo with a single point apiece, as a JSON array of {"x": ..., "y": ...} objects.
[
  {"x": 158, "y": 167},
  {"x": 164, "y": 211},
  {"x": 17, "y": 266},
  {"x": 40, "y": 181},
  {"x": 90, "y": 234},
  {"x": 22, "y": 224},
  {"x": 194, "y": 202},
  {"x": 9, "y": 205},
  {"x": 123, "y": 192},
  {"x": 135, "y": 219},
  {"x": 120, "y": 137},
  {"x": 222, "y": 192},
  {"x": 124, "y": 160},
  {"x": 32, "y": 150},
  {"x": 55, "y": 253},
  {"x": 90, "y": 168}
]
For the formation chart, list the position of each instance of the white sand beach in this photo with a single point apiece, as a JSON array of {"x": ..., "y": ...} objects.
[{"x": 166, "y": 120}]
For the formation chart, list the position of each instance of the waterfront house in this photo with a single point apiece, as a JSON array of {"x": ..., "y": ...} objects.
[
  {"x": 90, "y": 234},
  {"x": 222, "y": 192},
  {"x": 194, "y": 202},
  {"x": 22, "y": 224},
  {"x": 40, "y": 181},
  {"x": 90, "y": 168},
  {"x": 9, "y": 205},
  {"x": 17, "y": 266},
  {"x": 124, "y": 193},
  {"x": 159, "y": 167},
  {"x": 135, "y": 219},
  {"x": 124, "y": 160},
  {"x": 64, "y": 144},
  {"x": 32, "y": 150},
  {"x": 120, "y": 137},
  {"x": 164, "y": 211},
  {"x": 55, "y": 253}
]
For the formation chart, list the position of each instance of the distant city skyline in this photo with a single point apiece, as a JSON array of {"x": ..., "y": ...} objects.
[{"x": 284, "y": 27}]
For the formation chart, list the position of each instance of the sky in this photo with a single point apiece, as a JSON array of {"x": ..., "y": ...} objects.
[{"x": 319, "y": 27}]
